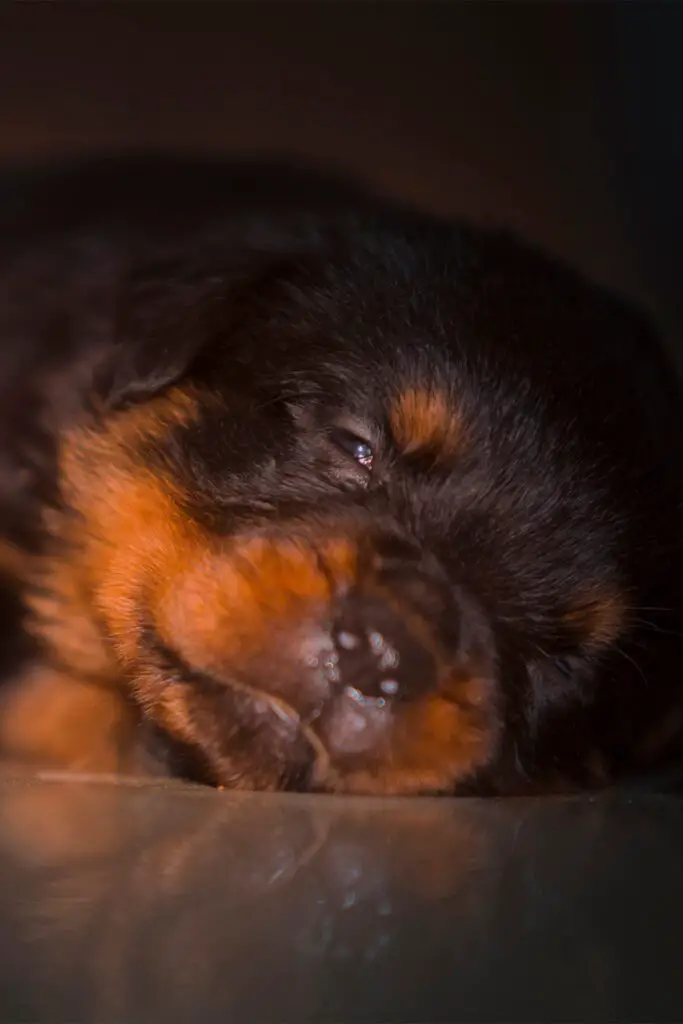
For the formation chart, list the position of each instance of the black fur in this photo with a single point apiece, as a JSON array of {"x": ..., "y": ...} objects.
[{"x": 294, "y": 311}]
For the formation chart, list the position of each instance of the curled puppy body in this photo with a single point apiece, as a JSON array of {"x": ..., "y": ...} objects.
[{"x": 348, "y": 500}]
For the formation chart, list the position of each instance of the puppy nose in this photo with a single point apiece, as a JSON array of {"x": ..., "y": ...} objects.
[
  {"x": 378, "y": 656},
  {"x": 379, "y": 660}
]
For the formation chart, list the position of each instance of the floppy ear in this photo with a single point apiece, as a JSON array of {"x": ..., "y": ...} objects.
[
  {"x": 84, "y": 321},
  {"x": 173, "y": 306},
  {"x": 124, "y": 266},
  {"x": 164, "y": 321}
]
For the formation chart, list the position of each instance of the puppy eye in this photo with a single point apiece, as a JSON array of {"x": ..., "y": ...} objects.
[{"x": 357, "y": 447}]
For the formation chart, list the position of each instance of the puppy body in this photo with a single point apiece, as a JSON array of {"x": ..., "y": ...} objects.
[{"x": 329, "y": 496}]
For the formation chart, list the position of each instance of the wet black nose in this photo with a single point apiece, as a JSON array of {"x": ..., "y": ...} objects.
[{"x": 380, "y": 655}]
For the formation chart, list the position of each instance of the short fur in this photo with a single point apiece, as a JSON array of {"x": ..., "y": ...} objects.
[{"x": 304, "y": 492}]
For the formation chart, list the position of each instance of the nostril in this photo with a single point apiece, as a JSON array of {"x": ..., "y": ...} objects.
[
  {"x": 389, "y": 687},
  {"x": 387, "y": 655},
  {"x": 348, "y": 641}
]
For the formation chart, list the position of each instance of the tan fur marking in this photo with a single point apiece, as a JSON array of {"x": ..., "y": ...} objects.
[
  {"x": 424, "y": 420},
  {"x": 152, "y": 419},
  {"x": 55, "y": 720},
  {"x": 248, "y": 596},
  {"x": 120, "y": 514},
  {"x": 598, "y": 616},
  {"x": 434, "y": 742},
  {"x": 14, "y": 562}
]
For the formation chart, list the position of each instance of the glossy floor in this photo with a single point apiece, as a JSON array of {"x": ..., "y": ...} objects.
[{"x": 121, "y": 902}]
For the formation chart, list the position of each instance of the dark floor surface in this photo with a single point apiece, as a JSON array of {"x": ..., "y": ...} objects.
[{"x": 133, "y": 903}]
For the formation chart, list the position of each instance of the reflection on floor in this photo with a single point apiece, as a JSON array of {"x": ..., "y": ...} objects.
[{"x": 125, "y": 902}]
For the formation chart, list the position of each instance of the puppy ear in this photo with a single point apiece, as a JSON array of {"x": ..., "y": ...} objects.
[
  {"x": 176, "y": 307},
  {"x": 165, "y": 318}
]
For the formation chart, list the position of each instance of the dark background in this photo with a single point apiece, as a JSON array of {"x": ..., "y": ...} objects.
[{"x": 562, "y": 120}]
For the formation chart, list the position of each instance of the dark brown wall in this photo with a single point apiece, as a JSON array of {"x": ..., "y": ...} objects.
[{"x": 513, "y": 112}]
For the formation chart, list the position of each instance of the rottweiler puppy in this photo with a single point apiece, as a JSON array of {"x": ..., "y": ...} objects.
[{"x": 305, "y": 491}]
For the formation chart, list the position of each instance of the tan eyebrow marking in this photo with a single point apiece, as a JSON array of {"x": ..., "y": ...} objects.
[{"x": 426, "y": 420}]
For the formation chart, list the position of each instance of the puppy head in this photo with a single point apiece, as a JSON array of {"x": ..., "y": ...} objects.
[{"x": 339, "y": 548}]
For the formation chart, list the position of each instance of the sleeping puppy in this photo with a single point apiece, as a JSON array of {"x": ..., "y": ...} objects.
[{"x": 330, "y": 496}]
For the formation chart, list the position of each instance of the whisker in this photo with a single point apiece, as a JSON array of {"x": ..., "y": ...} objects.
[
  {"x": 649, "y": 608},
  {"x": 635, "y": 664},
  {"x": 655, "y": 628}
]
